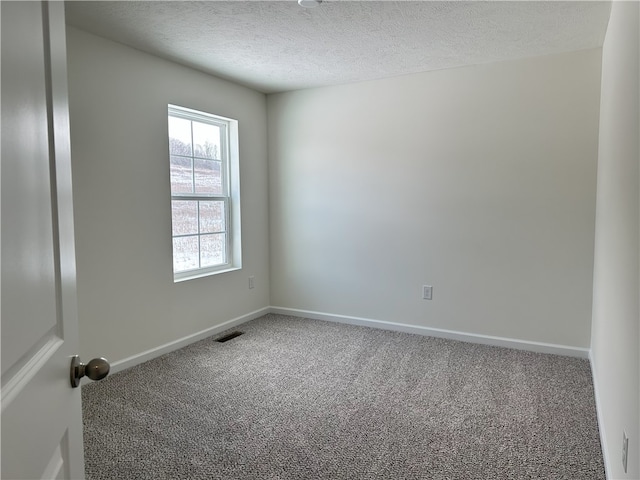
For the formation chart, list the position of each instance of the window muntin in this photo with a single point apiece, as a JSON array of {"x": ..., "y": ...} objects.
[{"x": 203, "y": 192}]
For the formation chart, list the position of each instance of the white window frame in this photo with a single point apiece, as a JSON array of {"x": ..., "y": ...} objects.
[{"x": 230, "y": 168}]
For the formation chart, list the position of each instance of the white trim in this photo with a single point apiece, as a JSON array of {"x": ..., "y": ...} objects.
[
  {"x": 366, "y": 322},
  {"x": 184, "y": 341},
  {"x": 440, "y": 333},
  {"x": 202, "y": 272},
  {"x": 600, "y": 416},
  {"x": 229, "y": 160}
]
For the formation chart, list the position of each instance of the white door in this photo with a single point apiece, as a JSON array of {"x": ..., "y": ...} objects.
[{"x": 41, "y": 413}]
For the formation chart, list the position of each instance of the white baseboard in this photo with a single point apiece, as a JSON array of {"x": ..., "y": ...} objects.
[
  {"x": 184, "y": 341},
  {"x": 440, "y": 333},
  {"x": 366, "y": 322},
  {"x": 603, "y": 436}
]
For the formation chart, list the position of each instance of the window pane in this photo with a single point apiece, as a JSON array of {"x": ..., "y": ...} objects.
[
  {"x": 206, "y": 140},
  {"x": 181, "y": 175},
  {"x": 208, "y": 178},
  {"x": 184, "y": 216},
  {"x": 179, "y": 136},
  {"x": 202, "y": 160},
  {"x": 185, "y": 253},
  {"x": 212, "y": 217},
  {"x": 213, "y": 249}
]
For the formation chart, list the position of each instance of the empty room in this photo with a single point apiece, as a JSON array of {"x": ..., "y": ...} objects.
[{"x": 320, "y": 240}]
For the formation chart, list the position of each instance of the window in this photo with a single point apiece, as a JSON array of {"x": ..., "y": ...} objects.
[{"x": 205, "y": 197}]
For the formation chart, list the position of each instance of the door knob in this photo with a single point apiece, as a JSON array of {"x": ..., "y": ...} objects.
[{"x": 96, "y": 369}]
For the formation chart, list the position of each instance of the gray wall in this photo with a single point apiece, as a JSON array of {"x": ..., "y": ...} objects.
[
  {"x": 127, "y": 300},
  {"x": 615, "y": 339},
  {"x": 479, "y": 181}
]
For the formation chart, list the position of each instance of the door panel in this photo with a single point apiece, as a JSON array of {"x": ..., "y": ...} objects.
[
  {"x": 41, "y": 413},
  {"x": 55, "y": 467},
  {"x": 28, "y": 273}
]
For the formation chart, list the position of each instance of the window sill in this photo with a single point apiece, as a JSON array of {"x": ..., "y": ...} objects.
[{"x": 197, "y": 274}]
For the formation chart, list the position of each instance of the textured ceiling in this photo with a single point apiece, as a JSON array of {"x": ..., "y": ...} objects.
[{"x": 277, "y": 46}]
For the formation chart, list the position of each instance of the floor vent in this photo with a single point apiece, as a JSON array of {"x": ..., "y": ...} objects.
[{"x": 226, "y": 338}]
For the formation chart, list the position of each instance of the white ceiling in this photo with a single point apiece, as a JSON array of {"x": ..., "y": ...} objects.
[{"x": 276, "y": 46}]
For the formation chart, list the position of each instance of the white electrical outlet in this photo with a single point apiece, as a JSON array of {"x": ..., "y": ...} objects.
[
  {"x": 625, "y": 451},
  {"x": 252, "y": 280},
  {"x": 427, "y": 292}
]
